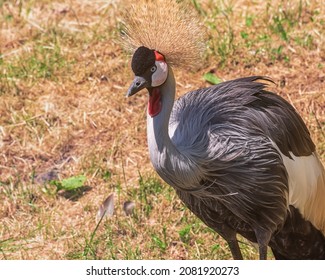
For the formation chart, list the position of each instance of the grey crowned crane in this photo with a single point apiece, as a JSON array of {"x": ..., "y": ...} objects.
[{"x": 239, "y": 156}]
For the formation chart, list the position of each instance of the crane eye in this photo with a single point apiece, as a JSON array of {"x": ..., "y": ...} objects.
[{"x": 153, "y": 69}]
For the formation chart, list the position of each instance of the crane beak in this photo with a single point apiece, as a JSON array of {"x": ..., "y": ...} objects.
[{"x": 138, "y": 84}]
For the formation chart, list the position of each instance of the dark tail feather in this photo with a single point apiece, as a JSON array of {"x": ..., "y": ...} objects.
[{"x": 298, "y": 240}]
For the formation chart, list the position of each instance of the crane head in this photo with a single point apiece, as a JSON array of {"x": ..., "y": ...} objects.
[{"x": 150, "y": 70}]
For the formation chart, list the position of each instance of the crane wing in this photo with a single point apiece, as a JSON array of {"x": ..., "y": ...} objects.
[{"x": 228, "y": 127}]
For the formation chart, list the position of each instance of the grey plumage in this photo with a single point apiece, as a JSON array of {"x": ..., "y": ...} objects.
[
  {"x": 241, "y": 184},
  {"x": 244, "y": 188}
]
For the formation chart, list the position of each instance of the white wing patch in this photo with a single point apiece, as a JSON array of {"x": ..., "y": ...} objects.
[{"x": 307, "y": 186}]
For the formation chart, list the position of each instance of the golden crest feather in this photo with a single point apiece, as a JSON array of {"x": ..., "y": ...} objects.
[{"x": 169, "y": 27}]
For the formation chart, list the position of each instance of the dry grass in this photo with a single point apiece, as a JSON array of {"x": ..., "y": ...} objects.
[{"x": 63, "y": 113}]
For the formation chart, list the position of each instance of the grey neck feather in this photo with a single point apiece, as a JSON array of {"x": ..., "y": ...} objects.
[{"x": 175, "y": 168}]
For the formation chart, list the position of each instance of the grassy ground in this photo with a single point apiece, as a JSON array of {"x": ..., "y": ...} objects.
[{"x": 63, "y": 114}]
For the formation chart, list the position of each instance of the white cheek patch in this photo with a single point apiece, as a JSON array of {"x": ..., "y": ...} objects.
[{"x": 160, "y": 75}]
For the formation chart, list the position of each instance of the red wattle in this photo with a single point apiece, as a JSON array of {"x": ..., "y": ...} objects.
[{"x": 154, "y": 104}]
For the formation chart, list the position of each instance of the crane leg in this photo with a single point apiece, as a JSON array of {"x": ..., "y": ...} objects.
[
  {"x": 230, "y": 236},
  {"x": 263, "y": 238},
  {"x": 263, "y": 252},
  {"x": 235, "y": 250}
]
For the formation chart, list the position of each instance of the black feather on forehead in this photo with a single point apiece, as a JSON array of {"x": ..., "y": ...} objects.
[{"x": 142, "y": 59}]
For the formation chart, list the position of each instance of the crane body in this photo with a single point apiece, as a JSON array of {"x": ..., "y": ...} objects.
[{"x": 239, "y": 157}]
